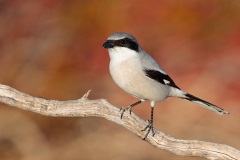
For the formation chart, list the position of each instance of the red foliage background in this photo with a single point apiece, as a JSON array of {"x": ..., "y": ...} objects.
[{"x": 53, "y": 49}]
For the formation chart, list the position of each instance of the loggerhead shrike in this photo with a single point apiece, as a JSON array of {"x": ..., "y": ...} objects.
[{"x": 137, "y": 73}]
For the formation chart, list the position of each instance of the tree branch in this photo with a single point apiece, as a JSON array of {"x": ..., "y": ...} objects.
[{"x": 84, "y": 107}]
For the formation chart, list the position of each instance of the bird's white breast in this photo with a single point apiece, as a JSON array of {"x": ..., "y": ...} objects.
[{"x": 126, "y": 70}]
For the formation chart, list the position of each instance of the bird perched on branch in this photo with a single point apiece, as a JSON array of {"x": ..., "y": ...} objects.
[{"x": 137, "y": 73}]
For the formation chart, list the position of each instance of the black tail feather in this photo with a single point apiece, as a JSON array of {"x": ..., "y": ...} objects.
[{"x": 205, "y": 104}]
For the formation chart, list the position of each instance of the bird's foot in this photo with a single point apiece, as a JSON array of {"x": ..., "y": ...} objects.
[
  {"x": 123, "y": 109},
  {"x": 149, "y": 128}
]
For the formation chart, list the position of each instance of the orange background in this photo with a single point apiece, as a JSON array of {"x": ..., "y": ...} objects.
[{"x": 53, "y": 49}]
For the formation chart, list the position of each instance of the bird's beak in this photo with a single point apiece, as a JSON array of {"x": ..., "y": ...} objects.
[{"x": 108, "y": 44}]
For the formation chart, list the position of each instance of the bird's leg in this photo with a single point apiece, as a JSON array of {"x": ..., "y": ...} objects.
[
  {"x": 149, "y": 126},
  {"x": 123, "y": 109}
]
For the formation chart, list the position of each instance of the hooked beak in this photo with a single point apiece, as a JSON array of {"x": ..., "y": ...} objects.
[{"x": 108, "y": 44}]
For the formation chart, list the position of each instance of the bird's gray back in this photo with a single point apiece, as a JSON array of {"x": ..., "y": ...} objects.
[{"x": 148, "y": 62}]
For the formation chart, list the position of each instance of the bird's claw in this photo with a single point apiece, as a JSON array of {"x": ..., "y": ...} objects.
[
  {"x": 123, "y": 109},
  {"x": 150, "y": 128}
]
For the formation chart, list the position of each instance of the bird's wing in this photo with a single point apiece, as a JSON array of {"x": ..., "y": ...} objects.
[
  {"x": 154, "y": 71},
  {"x": 160, "y": 77}
]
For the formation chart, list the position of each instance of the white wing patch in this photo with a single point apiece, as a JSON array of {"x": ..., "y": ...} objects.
[{"x": 166, "y": 81}]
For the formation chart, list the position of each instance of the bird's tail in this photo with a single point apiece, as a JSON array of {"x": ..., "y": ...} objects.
[{"x": 204, "y": 104}]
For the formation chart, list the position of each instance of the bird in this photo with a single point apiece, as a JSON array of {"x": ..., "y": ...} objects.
[{"x": 138, "y": 74}]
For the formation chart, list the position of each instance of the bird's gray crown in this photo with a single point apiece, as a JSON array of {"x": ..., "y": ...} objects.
[{"x": 121, "y": 35}]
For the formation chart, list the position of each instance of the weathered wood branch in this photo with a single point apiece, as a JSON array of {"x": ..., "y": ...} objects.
[{"x": 84, "y": 107}]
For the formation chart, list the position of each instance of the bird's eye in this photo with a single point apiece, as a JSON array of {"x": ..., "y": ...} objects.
[{"x": 123, "y": 41}]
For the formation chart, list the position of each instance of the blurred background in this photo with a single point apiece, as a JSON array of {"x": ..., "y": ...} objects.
[{"x": 53, "y": 49}]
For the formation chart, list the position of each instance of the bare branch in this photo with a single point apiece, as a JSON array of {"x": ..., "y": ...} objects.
[{"x": 84, "y": 107}]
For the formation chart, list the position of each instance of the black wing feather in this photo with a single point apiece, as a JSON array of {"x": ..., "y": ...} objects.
[{"x": 160, "y": 77}]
